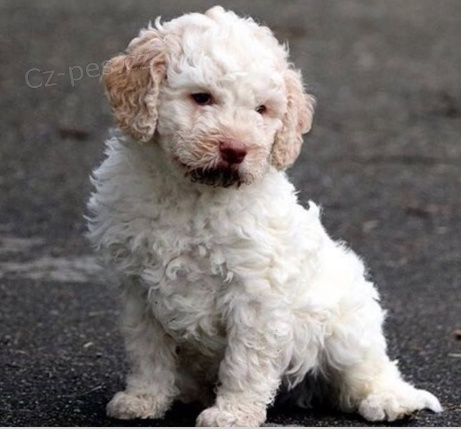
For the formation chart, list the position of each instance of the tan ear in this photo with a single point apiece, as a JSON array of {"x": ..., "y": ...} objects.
[
  {"x": 132, "y": 82},
  {"x": 297, "y": 121}
]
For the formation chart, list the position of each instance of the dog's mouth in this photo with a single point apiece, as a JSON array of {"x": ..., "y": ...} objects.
[
  {"x": 215, "y": 177},
  {"x": 219, "y": 175}
]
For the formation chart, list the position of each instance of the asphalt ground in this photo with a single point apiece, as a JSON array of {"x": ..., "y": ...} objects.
[{"x": 383, "y": 159}]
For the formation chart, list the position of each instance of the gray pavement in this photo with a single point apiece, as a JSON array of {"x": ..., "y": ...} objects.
[{"x": 383, "y": 160}]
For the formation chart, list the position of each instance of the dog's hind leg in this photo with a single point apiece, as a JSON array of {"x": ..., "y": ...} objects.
[
  {"x": 150, "y": 386},
  {"x": 377, "y": 391},
  {"x": 367, "y": 380}
]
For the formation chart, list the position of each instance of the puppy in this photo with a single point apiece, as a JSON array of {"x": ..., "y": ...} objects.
[{"x": 232, "y": 290}]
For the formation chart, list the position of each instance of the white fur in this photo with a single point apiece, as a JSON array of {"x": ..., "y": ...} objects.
[{"x": 236, "y": 289}]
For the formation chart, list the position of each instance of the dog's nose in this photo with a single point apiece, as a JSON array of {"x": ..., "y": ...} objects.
[{"x": 232, "y": 151}]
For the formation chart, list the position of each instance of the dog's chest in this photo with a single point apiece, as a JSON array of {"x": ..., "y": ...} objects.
[{"x": 188, "y": 280}]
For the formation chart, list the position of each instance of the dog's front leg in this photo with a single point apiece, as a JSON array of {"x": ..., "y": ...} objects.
[
  {"x": 251, "y": 370},
  {"x": 150, "y": 387}
]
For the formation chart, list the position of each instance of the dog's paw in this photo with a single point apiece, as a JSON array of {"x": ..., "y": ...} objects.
[
  {"x": 216, "y": 417},
  {"x": 131, "y": 405},
  {"x": 397, "y": 402}
]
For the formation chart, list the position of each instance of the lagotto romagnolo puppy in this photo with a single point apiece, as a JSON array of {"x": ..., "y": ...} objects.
[{"x": 232, "y": 291}]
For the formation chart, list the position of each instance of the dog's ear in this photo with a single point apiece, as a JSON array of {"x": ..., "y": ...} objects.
[
  {"x": 132, "y": 83},
  {"x": 296, "y": 121}
]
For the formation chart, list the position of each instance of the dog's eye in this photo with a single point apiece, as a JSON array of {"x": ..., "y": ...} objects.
[
  {"x": 261, "y": 109},
  {"x": 202, "y": 98}
]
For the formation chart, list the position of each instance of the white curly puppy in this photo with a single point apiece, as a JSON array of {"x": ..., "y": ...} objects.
[{"x": 231, "y": 289}]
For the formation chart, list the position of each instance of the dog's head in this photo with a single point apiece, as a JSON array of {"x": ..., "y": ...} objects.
[{"x": 217, "y": 92}]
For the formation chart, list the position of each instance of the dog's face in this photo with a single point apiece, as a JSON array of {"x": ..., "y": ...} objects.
[{"x": 217, "y": 92}]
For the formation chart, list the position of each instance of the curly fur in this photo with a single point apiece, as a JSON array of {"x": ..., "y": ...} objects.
[
  {"x": 231, "y": 289},
  {"x": 132, "y": 84},
  {"x": 297, "y": 121}
]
